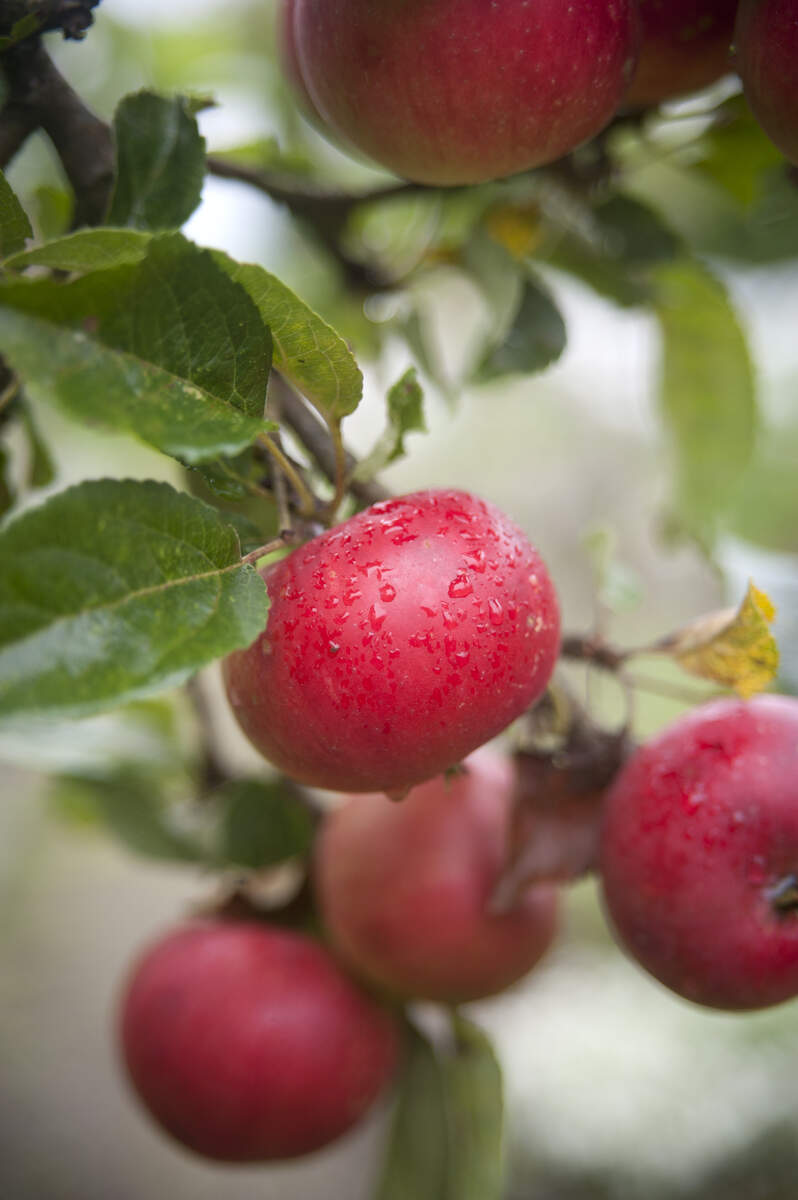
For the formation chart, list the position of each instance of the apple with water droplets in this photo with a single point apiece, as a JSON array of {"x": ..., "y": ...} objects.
[
  {"x": 248, "y": 1043},
  {"x": 405, "y": 889},
  {"x": 396, "y": 644},
  {"x": 686, "y": 46},
  {"x": 462, "y": 91},
  {"x": 699, "y": 854}
]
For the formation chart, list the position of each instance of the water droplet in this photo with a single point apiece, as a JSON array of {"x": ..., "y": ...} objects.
[
  {"x": 333, "y": 648},
  {"x": 457, "y": 658},
  {"x": 351, "y": 597},
  {"x": 495, "y": 611},
  {"x": 449, "y": 618},
  {"x": 376, "y": 616},
  {"x": 460, "y": 587},
  {"x": 387, "y": 593},
  {"x": 419, "y": 639},
  {"x": 430, "y": 612},
  {"x": 475, "y": 559}
]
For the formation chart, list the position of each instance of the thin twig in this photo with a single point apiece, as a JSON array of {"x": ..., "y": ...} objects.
[
  {"x": 593, "y": 650},
  {"x": 39, "y": 96},
  {"x": 315, "y": 437},
  {"x": 326, "y": 212},
  {"x": 306, "y": 498}
]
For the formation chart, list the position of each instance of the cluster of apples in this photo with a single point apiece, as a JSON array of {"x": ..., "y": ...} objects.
[
  {"x": 397, "y": 644},
  {"x": 448, "y": 92}
]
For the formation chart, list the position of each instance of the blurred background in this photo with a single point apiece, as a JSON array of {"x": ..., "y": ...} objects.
[{"x": 616, "y": 1089}]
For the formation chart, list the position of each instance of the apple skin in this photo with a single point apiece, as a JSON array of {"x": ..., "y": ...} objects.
[
  {"x": 699, "y": 828},
  {"x": 248, "y": 1043},
  {"x": 462, "y": 91},
  {"x": 397, "y": 643},
  {"x": 686, "y": 46},
  {"x": 766, "y": 42},
  {"x": 404, "y": 889}
]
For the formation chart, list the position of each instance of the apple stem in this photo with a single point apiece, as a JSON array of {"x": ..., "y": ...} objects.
[{"x": 783, "y": 896}]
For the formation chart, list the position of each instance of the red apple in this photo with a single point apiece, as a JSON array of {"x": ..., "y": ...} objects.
[
  {"x": 461, "y": 91},
  {"x": 396, "y": 644},
  {"x": 699, "y": 854},
  {"x": 686, "y": 46},
  {"x": 404, "y": 889},
  {"x": 766, "y": 41},
  {"x": 248, "y": 1043}
]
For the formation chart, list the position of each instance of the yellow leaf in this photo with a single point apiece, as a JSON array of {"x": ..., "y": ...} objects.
[{"x": 734, "y": 648}]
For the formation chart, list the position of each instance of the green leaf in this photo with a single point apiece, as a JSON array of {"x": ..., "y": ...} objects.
[
  {"x": 706, "y": 392},
  {"x": 447, "y": 1136},
  {"x": 476, "y": 1106},
  {"x": 634, "y": 232},
  {"x": 168, "y": 348},
  {"x": 262, "y": 823},
  {"x": 86, "y": 250},
  {"x": 405, "y": 415},
  {"x": 6, "y": 491},
  {"x": 14, "y": 224},
  {"x": 160, "y": 162},
  {"x": 114, "y": 589},
  {"x": 307, "y": 351},
  {"x": 737, "y": 153},
  {"x": 536, "y": 338},
  {"x": 130, "y": 807},
  {"x": 416, "y": 1164},
  {"x": 41, "y": 470}
]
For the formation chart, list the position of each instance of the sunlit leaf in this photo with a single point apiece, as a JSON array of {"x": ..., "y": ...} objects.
[
  {"x": 114, "y": 589},
  {"x": 168, "y": 347},
  {"x": 734, "y": 648},
  {"x": 307, "y": 351}
]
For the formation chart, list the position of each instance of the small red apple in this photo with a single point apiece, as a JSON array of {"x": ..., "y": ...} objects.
[
  {"x": 699, "y": 854},
  {"x": 766, "y": 41},
  {"x": 462, "y": 91},
  {"x": 396, "y": 644},
  {"x": 686, "y": 46},
  {"x": 404, "y": 889},
  {"x": 248, "y": 1043}
]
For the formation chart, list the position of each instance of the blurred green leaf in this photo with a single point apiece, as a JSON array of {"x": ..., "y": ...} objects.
[
  {"x": 535, "y": 340},
  {"x": 619, "y": 587},
  {"x": 417, "y": 1159},
  {"x": 14, "y": 224},
  {"x": 130, "y": 807},
  {"x": 51, "y": 211},
  {"x": 114, "y": 589},
  {"x": 405, "y": 415},
  {"x": 307, "y": 351},
  {"x": 262, "y": 823},
  {"x": 168, "y": 348},
  {"x": 447, "y": 1136},
  {"x": 476, "y": 1106},
  {"x": 737, "y": 152},
  {"x": 633, "y": 232},
  {"x": 706, "y": 392},
  {"x": 160, "y": 162}
]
